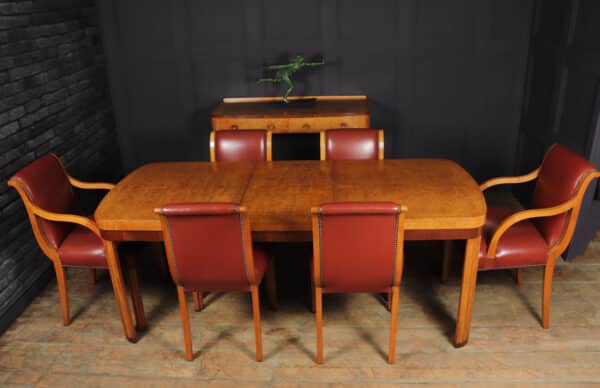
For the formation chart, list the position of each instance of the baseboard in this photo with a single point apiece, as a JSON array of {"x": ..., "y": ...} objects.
[{"x": 13, "y": 312}]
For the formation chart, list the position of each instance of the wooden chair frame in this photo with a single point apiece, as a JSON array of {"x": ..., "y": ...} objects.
[
  {"x": 114, "y": 269},
  {"x": 318, "y": 287},
  {"x": 380, "y": 144},
  {"x": 572, "y": 206},
  {"x": 269, "y": 140},
  {"x": 249, "y": 264}
]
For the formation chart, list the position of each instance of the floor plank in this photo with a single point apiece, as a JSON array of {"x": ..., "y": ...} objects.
[{"x": 507, "y": 344}]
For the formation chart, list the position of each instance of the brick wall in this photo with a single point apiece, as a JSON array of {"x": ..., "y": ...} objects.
[{"x": 53, "y": 98}]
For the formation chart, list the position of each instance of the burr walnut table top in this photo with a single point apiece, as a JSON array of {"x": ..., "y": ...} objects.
[{"x": 441, "y": 197}]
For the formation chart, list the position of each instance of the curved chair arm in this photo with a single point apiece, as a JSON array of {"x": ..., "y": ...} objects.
[
  {"x": 510, "y": 179},
  {"x": 527, "y": 214},
  {"x": 62, "y": 217},
  {"x": 90, "y": 185}
]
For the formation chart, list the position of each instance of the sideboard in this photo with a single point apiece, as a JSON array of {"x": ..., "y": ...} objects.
[{"x": 301, "y": 115}]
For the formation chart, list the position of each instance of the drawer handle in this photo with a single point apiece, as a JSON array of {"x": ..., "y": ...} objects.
[
  {"x": 343, "y": 124},
  {"x": 234, "y": 127},
  {"x": 305, "y": 126}
]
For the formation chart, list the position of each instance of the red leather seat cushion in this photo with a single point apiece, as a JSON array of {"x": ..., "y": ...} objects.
[
  {"x": 522, "y": 245},
  {"x": 261, "y": 260},
  {"x": 82, "y": 248}
]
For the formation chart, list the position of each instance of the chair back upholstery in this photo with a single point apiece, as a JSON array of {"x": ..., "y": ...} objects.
[
  {"x": 207, "y": 245},
  {"x": 358, "y": 246},
  {"x": 352, "y": 144},
  {"x": 240, "y": 145},
  {"x": 46, "y": 184},
  {"x": 561, "y": 176}
]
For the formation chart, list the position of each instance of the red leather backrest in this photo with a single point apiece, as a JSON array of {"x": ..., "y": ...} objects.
[
  {"x": 207, "y": 245},
  {"x": 561, "y": 173},
  {"x": 47, "y": 185},
  {"x": 237, "y": 146},
  {"x": 351, "y": 144},
  {"x": 358, "y": 245}
]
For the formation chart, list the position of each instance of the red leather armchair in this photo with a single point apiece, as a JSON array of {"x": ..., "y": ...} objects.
[
  {"x": 68, "y": 239},
  {"x": 357, "y": 247},
  {"x": 352, "y": 144},
  {"x": 209, "y": 248},
  {"x": 237, "y": 146},
  {"x": 538, "y": 236}
]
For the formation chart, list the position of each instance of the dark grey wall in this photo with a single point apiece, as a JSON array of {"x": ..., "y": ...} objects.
[
  {"x": 53, "y": 98},
  {"x": 562, "y": 102},
  {"x": 444, "y": 78}
]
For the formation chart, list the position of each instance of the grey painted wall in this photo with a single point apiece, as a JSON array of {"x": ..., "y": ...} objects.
[{"x": 444, "y": 78}]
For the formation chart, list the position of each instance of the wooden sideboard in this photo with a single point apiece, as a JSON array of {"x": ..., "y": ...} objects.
[{"x": 299, "y": 116}]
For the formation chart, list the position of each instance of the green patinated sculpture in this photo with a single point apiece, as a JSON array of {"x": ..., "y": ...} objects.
[{"x": 284, "y": 73}]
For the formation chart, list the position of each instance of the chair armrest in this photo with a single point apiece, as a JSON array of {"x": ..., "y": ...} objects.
[
  {"x": 528, "y": 214},
  {"x": 62, "y": 217},
  {"x": 90, "y": 185},
  {"x": 510, "y": 179}
]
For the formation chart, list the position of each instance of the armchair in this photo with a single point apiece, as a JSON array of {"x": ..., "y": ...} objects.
[
  {"x": 66, "y": 238},
  {"x": 538, "y": 236}
]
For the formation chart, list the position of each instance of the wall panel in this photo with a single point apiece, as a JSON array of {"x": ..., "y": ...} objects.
[{"x": 441, "y": 76}]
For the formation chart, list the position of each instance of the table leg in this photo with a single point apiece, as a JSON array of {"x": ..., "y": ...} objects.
[
  {"x": 134, "y": 289},
  {"x": 467, "y": 292},
  {"x": 116, "y": 278}
]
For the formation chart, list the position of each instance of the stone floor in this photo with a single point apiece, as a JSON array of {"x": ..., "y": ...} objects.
[{"x": 507, "y": 344}]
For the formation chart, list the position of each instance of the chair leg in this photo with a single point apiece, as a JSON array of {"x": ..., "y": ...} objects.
[
  {"x": 256, "y": 316},
  {"x": 548, "y": 275},
  {"x": 319, "y": 322},
  {"x": 446, "y": 260},
  {"x": 197, "y": 300},
  {"x": 518, "y": 276},
  {"x": 93, "y": 276},
  {"x": 312, "y": 295},
  {"x": 185, "y": 322},
  {"x": 134, "y": 289},
  {"x": 61, "y": 281},
  {"x": 271, "y": 285},
  {"x": 394, "y": 324}
]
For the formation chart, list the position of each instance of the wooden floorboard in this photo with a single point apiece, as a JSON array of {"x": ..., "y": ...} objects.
[{"x": 507, "y": 344}]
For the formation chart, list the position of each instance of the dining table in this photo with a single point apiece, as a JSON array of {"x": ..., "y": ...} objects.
[{"x": 444, "y": 203}]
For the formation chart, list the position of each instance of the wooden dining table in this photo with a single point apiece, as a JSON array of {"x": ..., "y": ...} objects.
[{"x": 443, "y": 200}]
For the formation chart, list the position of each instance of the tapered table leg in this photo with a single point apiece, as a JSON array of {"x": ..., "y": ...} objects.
[
  {"x": 136, "y": 297},
  {"x": 467, "y": 292},
  {"x": 116, "y": 278}
]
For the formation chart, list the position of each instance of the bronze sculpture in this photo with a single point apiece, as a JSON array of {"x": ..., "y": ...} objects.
[{"x": 284, "y": 73}]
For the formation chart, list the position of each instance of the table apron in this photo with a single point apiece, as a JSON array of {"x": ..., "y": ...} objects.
[{"x": 298, "y": 236}]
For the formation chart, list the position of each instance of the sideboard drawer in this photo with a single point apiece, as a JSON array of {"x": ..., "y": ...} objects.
[
  {"x": 272, "y": 124},
  {"x": 317, "y": 124}
]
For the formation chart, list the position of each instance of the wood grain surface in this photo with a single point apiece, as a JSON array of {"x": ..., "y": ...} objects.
[{"x": 438, "y": 193}]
